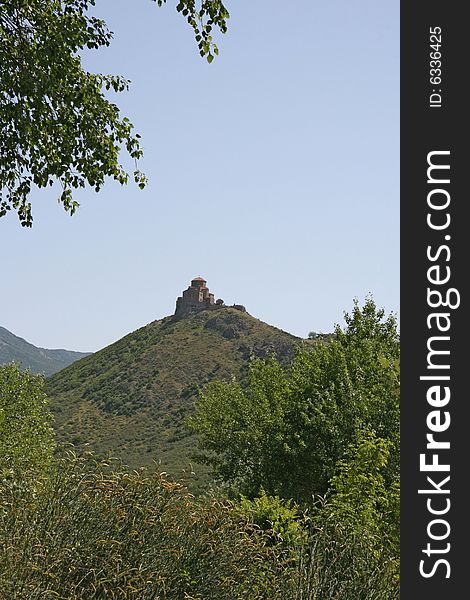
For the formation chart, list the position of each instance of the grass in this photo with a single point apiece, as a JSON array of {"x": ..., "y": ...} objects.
[{"x": 89, "y": 531}]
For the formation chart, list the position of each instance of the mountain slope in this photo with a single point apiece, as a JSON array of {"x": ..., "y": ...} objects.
[
  {"x": 132, "y": 397},
  {"x": 39, "y": 360}
]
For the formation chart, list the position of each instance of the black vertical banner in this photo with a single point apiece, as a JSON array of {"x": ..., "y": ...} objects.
[{"x": 435, "y": 251}]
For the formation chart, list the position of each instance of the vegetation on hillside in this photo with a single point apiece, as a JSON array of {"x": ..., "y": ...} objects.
[
  {"x": 76, "y": 528},
  {"x": 28, "y": 356},
  {"x": 132, "y": 398}
]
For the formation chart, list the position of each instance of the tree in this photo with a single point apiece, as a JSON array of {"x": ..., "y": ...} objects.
[
  {"x": 286, "y": 430},
  {"x": 26, "y": 434},
  {"x": 353, "y": 547},
  {"x": 56, "y": 125},
  {"x": 359, "y": 496}
]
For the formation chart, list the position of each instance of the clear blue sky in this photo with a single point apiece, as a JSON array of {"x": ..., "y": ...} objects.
[{"x": 274, "y": 173}]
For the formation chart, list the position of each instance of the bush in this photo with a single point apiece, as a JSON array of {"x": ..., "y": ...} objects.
[{"x": 280, "y": 518}]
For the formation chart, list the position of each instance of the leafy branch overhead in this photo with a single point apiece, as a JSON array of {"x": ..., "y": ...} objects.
[
  {"x": 56, "y": 125},
  {"x": 203, "y": 16}
]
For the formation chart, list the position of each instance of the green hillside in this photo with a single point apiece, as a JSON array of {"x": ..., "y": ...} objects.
[
  {"x": 132, "y": 397},
  {"x": 28, "y": 356}
]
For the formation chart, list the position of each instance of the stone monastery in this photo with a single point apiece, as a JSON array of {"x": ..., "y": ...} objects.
[{"x": 198, "y": 297}]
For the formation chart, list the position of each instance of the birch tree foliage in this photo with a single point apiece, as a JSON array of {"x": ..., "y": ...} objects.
[
  {"x": 26, "y": 434},
  {"x": 286, "y": 430},
  {"x": 56, "y": 124}
]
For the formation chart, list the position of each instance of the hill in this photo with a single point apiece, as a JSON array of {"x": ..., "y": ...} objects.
[
  {"x": 131, "y": 398},
  {"x": 38, "y": 360}
]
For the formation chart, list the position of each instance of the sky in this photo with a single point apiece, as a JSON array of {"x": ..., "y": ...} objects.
[{"x": 273, "y": 173}]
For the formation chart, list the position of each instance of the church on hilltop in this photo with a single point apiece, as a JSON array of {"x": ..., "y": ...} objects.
[{"x": 198, "y": 297}]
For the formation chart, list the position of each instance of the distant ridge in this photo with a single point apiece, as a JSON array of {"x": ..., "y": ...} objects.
[{"x": 38, "y": 360}]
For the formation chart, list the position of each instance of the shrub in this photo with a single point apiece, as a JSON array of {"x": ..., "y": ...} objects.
[{"x": 280, "y": 518}]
